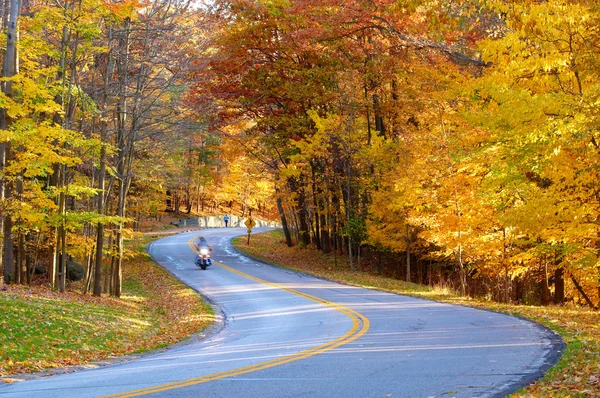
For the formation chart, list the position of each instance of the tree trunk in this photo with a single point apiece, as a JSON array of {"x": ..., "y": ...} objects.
[
  {"x": 298, "y": 189},
  {"x": 545, "y": 287},
  {"x": 325, "y": 238},
  {"x": 22, "y": 259},
  {"x": 379, "y": 126},
  {"x": 582, "y": 292},
  {"x": 317, "y": 224},
  {"x": 368, "y": 114},
  {"x": 18, "y": 254},
  {"x": 118, "y": 269},
  {"x": 28, "y": 268},
  {"x": 9, "y": 69},
  {"x": 89, "y": 272},
  {"x": 107, "y": 285},
  {"x": 407, "y": 253},
  {"x": 62, "y": 235},
  {"x": 110, "y": 280},
  {"x": 349, "y": 210},
  {"x": 100, "y": 228},
  {"x": 559, "y": 286},
  {"x": 505, "y": 263},
  {"x": 123, "y": 152},
  {"x": 304, "y": 234},
  {"x": 519, "y": 290},
  {"x": 284, "y": 223},
  {"x": 8, "y": 256},
  {"x": 462, "y": 273},
  {"x": 99, "y": 257}
]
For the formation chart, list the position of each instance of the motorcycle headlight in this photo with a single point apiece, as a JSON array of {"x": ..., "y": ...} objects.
[{"x": 204, "y": 251}]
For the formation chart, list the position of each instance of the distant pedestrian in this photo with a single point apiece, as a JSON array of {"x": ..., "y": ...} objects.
[{"x": 226, "y": 219}]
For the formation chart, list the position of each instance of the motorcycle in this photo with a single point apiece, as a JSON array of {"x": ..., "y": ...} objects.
[{"x": 203, "y": 258}]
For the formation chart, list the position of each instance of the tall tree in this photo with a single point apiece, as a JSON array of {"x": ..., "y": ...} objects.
[{"x": 9, "y": 70}]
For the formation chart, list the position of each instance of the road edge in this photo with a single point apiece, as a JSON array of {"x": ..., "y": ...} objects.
[
  {"x": 555, "y": 346},
  {"x": 218, "y": 325}
]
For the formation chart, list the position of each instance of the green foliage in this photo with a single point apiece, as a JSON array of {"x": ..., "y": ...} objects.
[{"x": 356, "y": 229}]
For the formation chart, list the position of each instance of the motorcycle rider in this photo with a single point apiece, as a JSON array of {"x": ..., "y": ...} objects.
[{"x": 202, "y": 247}]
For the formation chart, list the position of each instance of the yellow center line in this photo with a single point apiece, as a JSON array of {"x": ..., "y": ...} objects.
[{"x": 360, "y": 325}]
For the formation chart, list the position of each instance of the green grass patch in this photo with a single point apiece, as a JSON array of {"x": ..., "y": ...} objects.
[{"x": 41, "y": 328}]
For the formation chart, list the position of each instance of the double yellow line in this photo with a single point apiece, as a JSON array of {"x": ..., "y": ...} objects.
[{"x": 360, "y": 325}]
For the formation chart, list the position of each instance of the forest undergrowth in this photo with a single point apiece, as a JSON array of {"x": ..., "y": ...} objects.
[{"x": 577, "y": 374}]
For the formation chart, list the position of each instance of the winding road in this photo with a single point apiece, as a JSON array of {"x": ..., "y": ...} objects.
[{"x": 284, "y": 334}]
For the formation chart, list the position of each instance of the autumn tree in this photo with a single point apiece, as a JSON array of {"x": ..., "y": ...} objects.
[
  {"x": 538, "y": 100},
  {"x": 9, "y": 70},
  {"x": 95, "y": 80}
]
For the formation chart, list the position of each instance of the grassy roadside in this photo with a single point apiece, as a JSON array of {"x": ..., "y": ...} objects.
[
  {"x": 42, "y": 329},
  {"x": 576, "y": 375}
]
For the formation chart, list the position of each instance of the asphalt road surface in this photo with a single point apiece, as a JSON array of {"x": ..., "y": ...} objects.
[{"x": 284, "y": 334}]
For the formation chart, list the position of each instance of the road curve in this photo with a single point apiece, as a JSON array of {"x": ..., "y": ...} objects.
[{"x": 285, "y": 334}]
